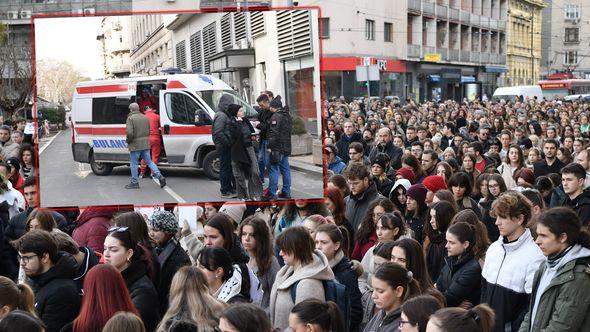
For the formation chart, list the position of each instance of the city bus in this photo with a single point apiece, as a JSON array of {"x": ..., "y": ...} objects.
[{"x": 554, "y": 89}]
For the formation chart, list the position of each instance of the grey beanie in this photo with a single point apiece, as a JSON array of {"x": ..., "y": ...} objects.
[{"x": 164, "y": 221}]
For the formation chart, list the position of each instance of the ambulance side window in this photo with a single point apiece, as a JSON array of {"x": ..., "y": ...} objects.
[
  {"x": 182, "y": 109},
  {"x": 110, "y": 110}
]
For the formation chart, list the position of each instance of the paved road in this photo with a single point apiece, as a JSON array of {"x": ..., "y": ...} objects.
[{"x": 65, "y": 182}]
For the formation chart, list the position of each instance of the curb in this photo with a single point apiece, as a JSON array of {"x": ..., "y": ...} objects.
[{"x": 305, "y": 167}]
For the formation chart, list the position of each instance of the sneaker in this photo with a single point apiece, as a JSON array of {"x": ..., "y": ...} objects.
[
  {"x": 283, "y": 195},
  {"x": 132, "y": 186},
  {"x": 229, "y": 195},
  {"x": 162, "y": 180}
]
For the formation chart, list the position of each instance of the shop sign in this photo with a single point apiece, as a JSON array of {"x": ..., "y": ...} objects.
[
  {"x": 434, "y": 57},
  {"x": 368, "y": 61}
]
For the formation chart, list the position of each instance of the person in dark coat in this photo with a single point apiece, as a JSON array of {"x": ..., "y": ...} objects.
[
  {"x": 440, "y": 215},
  {"x": 85, "y": 257},
  {"x": 379, "y": 167},
  {"x": 92, "y": 227},
  {"x": 222, "y": 139},
  {"x": 385, "y": 145},
  {"x": 57, "y": 300},
  {"x": 416, "y": 211},
  {"x": 264, "y": 115},
  {"x": 349, "y": 136},
  {"x": 573, "y": 177},
  {"x": 362, "y": 192},
  {"x": 279, "y": 144},
  {"x": 171, "y": 255},
  {"x": 460, "y": 278}
]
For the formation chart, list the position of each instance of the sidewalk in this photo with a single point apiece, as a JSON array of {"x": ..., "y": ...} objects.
[{"x": 305, "y": 163}]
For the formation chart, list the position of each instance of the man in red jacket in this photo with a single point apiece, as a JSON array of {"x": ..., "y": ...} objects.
[{"x": 155, "y": 138}]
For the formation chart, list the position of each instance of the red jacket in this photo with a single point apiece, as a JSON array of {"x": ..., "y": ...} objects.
[
  {"x": 360, "y": 250},
  {"x": 92, "y": 227},
  {"x": 154, "y": 119}
]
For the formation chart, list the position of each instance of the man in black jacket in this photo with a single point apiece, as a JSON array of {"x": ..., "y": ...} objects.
[
  {"x": 551, "y": 164},
  {"x": 222, "y": 140},
  {"x": 572, "y": 180},
  {"x": 264, "y": 115},
  {"x": 362, "y": 192},
  {"x": 385, "y": 145},
  {"x": 279, "y": 144},
  {"x": 57, "y": 300},
  {"x": 349, "y": 136}
]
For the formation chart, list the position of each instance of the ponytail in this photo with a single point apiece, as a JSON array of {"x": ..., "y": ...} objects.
[
  {"x": 26, "y": 298},
  {"x": 484, "y": 316},
  {"x": 479, "y": 319},
  {"x": 325, "y": 314},
  {"x": 16, "y": 296},
  {"x": 396, "y": 275}
]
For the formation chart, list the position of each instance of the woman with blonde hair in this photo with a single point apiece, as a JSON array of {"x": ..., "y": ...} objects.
[{"x": 191, "y": 303}]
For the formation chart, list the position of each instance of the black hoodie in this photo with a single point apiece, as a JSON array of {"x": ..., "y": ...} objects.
[
  {"x": 581, "y": 204},
  {"x": 143, "y": 294},
  {"x": 57, "y": 300}
]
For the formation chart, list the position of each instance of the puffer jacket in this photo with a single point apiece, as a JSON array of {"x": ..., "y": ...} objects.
[
  {"x": 309, "y": 278},
  {"x": 460, "y": 280},
  {"x": 143, "y": 294},
  {"x": 564, "y": 302},
  {"x": 92, "y": 227},
  {"x": 137, "y": 131},
  {"x": 279, "y": 132},
  {"x": 383, "y": 322},
  {"x": 337, "y": 166},
  {"x": 221, "y": 130}
]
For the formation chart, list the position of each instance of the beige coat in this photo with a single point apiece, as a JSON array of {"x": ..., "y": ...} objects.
[{"x": 310, "y": 286}]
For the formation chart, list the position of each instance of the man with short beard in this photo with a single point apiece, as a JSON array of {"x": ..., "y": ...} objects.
[
  {"x": 385, "y": 145},
  {"x": 551, "y": 164},
  {"x": 362, "y": 192},
  {"x": 349, "y": 136}
]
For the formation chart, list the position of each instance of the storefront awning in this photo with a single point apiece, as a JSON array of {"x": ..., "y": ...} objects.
[
  {"x": 496, "y": 69},
  {"x": 434, "y": 78},
  {"x": 232, "y": 60},
  {"x": 467, "y": 79}
]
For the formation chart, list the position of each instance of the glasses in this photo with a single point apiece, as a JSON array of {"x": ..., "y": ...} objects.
[
  {"x": 118, "y": 229},
  {"x": 402, "y": 322},
  {"x": 25, "y": 259}
]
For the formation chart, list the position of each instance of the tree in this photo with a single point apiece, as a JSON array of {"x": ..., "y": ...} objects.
[
  {"x": 56, "y": 80},
  {"x": 15, "y": 78}
]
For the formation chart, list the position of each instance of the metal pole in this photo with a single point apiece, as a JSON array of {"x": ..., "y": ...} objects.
[{"x": 368, "y": 86}]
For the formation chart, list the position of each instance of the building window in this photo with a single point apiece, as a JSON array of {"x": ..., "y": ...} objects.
[
  {"x": 388, "y": 32},
  {"x": 369, "y": 30},
  {"x": 572, "y": 12},
  {"x": 325, "y": 27},
  {"x": 570, "y": 57},
  {"x": 572, "y": 35}
]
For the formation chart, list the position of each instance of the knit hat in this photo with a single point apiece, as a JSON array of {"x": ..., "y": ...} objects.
[
  {"x": 418, "y": 193},
  {"x": 434, "y": 183},
  {"x": 233, "y": 109},
  {"x": 134, "y": 107},
  {"x": 234, "y": 210},
  {"x": 406, "y": 173},
  {"x": 276, "y": 102},
  {"x": 381, "y": 159},
  {"x": 13, "y": 162},
  {"x": 164, "y": 221}
]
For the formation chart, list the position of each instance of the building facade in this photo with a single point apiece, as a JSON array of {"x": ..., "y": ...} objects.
[
  {"x": 151, "y": 47},
  {"x": 565, "y": 38},
  {"x": 114, "y": 38},
  {"x": 524, "y": 42}
]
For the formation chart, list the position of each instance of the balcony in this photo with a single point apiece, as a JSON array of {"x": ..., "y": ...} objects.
[
  {"x": 502, "y": 25},
  {"x": 474, "y": 19},
  {"x": 474, "y": 57},
  {"x": 428, "y": 8},
  {"x": 453, "y": 55},
  {"x": 465, "y": 17},
  {"x": 485, "y": 58},
  {"x": 441, "y": 12},
  {"x": 415, "y": 6},
  {"x": 443, "y": 53},
  {"x": 414, "y": 51},
  {"x": 464, "y": 56},
  {"x": 454, "y": 14},
  {"x": 493, "y": 24},
  {"x": 485, "y": 22},
  {"x": 493, "y": 58}
]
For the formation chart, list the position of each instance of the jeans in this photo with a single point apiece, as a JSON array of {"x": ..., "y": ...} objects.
[
  {"x": 273, "y": 176},
  {"x": 226, "y": 178},
  {"x": 262, "y": 159},
  {"x": 145, "y": 156}
]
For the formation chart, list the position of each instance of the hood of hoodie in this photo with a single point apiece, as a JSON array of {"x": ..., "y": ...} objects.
[
  {"x": 401, "y": 182},
  {"x": 336, "y": 161},
  {"x": 65, "y": 267},
  {"x": 576, "y": 252},
  {"x": 582, "y": 199},
  {"x": 318, "y": 269},
  {"x": 224, "y": 102},
  {"x": 95, "y": 212}
]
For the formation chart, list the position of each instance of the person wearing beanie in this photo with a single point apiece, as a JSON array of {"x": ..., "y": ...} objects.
[
  {"x": 171, "y": 256},
  {"x": 279, "y": 145},
  {"x": 379, "y": 167},
  {"x": 416, "y": 210},
  {"x": 235, "y": 211},
  {"x": 221, "y": 132},
  {"x": 405, "y": 172},
  {"x": 138, "y": 142},
  {"x": 433, "y": 183}
]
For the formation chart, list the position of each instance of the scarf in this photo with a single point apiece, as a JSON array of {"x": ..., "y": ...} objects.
[{"x": 554, "y": 259}]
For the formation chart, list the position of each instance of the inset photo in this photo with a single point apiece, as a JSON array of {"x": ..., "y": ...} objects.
[{"x": 180, "y": 108}]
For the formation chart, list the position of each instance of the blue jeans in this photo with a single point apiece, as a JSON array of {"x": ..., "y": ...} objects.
[
  {"x": 226, "y": 178},
  {"x": 262, "y": 159},
  {"x": 145, "y": 155},
  {"x": 273, "y": 176}
]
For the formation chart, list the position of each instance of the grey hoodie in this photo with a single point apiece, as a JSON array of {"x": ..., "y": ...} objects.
[{"x": 310, "y": 285}]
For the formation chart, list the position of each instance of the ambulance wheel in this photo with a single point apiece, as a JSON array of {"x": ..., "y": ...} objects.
[
  {"x": 100, "y": 168},
  {"x": 211, "y": 165}
]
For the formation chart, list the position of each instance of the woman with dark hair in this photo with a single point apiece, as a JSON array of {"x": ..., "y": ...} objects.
[
  {"x": 105, "y": 294},
  {"x": 441, "y": 214},
  {"x": 41, "y": 219},
  {"x": 26, "y": 156},
  {"x": 478, "y": 319},
  {"x": 305, "y": 269},
  {"x": 22, "y": 321},
  {"x": 316, "y": 315},
  {"x": 496, "y": 187},
  {"x": 293, "y": 214},
  {"x": 256, "y": 240},
  {"x": 468, "y": 167},
  {"x": 480, "y": 189},
  {"x": 444, "y": 169},
  {"x": 335, "y": 204},
  {"x": 461, "y": 186},
  {"x": 564, "y": 155},
  {"x": 445, "y": 195},
  {"x": 339, "y": 181},
  {"x": 514, "y": 162},
  {"x": 366, "y": 235},
  {"x": 416, "y": 211},
  {"x": 525, "y": 178},
  {"x": 244, "y": 317},
  {"x": 225, "y": 279},
  {"x": 15, "y": 296},
  {"x": 416, "y": 312},
  {"x": 460, "y": 278},
  {"x": 411, "y": 161},
  {"x": 135, "y": 264},
  {"x": 398, "y": 195},
  {"x": 482, "y": 241}
]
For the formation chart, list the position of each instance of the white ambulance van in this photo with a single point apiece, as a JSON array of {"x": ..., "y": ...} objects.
[{"x": 186, "y": 104}]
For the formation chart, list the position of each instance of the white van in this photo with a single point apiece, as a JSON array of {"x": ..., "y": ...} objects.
[
  {"x": 510, "y": 93},
  {"x": 186, "y": 104}
]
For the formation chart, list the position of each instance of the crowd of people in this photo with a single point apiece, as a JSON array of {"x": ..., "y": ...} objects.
[{"x": 437, "y": 217}]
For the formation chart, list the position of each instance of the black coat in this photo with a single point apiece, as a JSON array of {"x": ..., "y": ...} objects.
[
  {"x": 348, "y": 278},
  {"x": 222, "y": 130},
  {"x": 171, "y": 258},
  {"x": 343, "y": 144},
  {"x": 435, "y": 257},
  {"x": 416, "y": 224},
  {"x": 383, "y": 187},
  {"x": 489, "y": 221},
  {"x": 356, "y": 206},
  {"x": 395, "y": 154},
  {"x": 581, "y": 204},
  {"x": 143, "y": 294},
  {"x": 460, "y": 280},
  {"x": 264, "y": 122},
  {"x": 90, "y": 260},
  {"x": 57, "y": 300},
  {"x": 279, "y": 132}
]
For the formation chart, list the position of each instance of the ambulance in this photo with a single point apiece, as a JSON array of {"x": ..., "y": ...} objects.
[{"x": 186, "y": 104}]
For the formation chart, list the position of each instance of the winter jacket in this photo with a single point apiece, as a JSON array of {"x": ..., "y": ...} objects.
[
  {"x": 507, "y": 281},
  {"x": 383, "y": 186},
  {"x": 137, "y": 131},
  {"x": 416, "y": 224},
  {"x": 436, "y": 252},
  {"x": 92, "y": 227},
  {"x": 143, "y": 294},
  {"x": 342, "y": 271},
  {"x": 57, "y": 300},
  {"x": 508, "y": 175},
  {"x": 337, "y": 166},
  {"x": 344, "y": 142},
  {"x": 488, "y": 220},
  {"x": 221, "y": 130},
  {"x": 558, "y": 197},
  {"x": 460, "y": 280},
  {"x": 90, "y": 260},
  {"x": 395, "y": 154},
  {"x": 279, "y": 132},
  {"x": 9, "y": 149},
  {"x": 264, "y": 121},
  {"x": 309, "y": 278},
  {"x": 382, "y": 322},
  {"x": 171, "y": 258},
  {"x": 356, "y": 205},
  {"x": 469, "y": 203},
  {"x": 563, "y": 302},
  {"x": 267, "y": 281},
  {"x": 581, "y": 204},
  {"x": 361, "y": 249}
]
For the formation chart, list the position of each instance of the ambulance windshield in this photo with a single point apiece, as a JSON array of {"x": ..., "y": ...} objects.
[{"x": 211, "y": 97}]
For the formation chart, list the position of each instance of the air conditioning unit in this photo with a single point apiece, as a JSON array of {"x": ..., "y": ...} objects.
[
  {"x": 25, "y": 14},
  {"x": 12, "y": 15},
  {"x": 88, "y": 11}
]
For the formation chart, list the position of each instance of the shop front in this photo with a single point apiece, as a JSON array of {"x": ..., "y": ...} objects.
[
  {"x": 234, "y": 67},
  {"x": 299, "y": 87}
]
